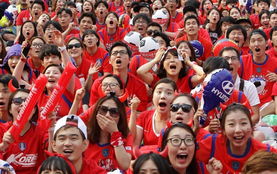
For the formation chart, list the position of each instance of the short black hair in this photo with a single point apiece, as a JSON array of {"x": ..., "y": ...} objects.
[
  {"x": 55, "y": 24},
  {"x": 5, "y": 79},
  {"x": 229, "y": 49},
  {"x": 143, "y": 16},
  {"x": 66, "y": 10},
  {"x": 231, "y": 2},
  {"x": 88, "y": 32},
  {"x": 258, "y": 31},
  {"x": 164, "y": 36},
  {"x": 193, "y": 3},
  {"x": 89, "y": 15},
  {"x": 121, "y": 44},
  {"x": 272, "y": 12},
  {"x": 192, "y": 17},
  {"x": 189, "y": 9},
  {"x": 49, "y": 49},
  {"x": 70, "y": 4},
  {"x": 39, "y": 2},
  {"x": 55, "y": 163},
  {"x": 213, "y": 63},
  {"x": 236, "y": 27},
  {"x": 154, "y": 24},
  {"x": 101, "y": 2}
]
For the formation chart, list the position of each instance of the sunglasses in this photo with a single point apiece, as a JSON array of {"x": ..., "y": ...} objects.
[
  {"x": 77, "y": 45},
  {"x": 18, "y": 101},
  {"x": 185, "y": 107},
  {"x": 150, "y": 32},
  {"x": 104, "y": 109}
]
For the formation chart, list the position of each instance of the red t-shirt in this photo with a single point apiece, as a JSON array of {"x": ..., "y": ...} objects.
[
  {"x": 177, "y": 18},
  {"x": 218, "y": 146},
  {"x": 254, "y": 18},
  {"x": 104, "y": 155},
  {"x": 90, "y": 166},
  {"x": 108, "y": 39},
  {"x": 23, "y": 16},
  {"x": 100, "y": 26},
  {"x": 117, "y": 9},
  {"x": 100, "y": 55},
  {"x": 274, "y": 90},
  {"x": 257, "y": 74},
  {"x": 145, "y": 121},
  {"x": 27, "y": 153},
  {"x": 82, "y": 70},
  {"x": 136, "y": 62},
  {"x": 34, "y": 69},
  {"x": 134, "y": 86}
]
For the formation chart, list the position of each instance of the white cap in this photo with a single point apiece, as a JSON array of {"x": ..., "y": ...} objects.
[{"x": 71, "y": 120}]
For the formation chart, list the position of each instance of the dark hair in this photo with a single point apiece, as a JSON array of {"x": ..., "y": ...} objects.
[
  {"x": 217, "y": 29},
  {"x": 192, "y": 17},
  {"x": 236, "y": 9},
  {"x": 232, "y": 108},
  {"x": 5, "y": 79},
  {"x": 111, "y": 12},
  {"x": 37, "y": 37},
  {"x": 154, "y": 24},
  {"x": 263, "y": 12},
  {"x": 236, "y": 27},
  {"x": 49, "y": 49},
  {"x": 271, "y": 31},
  {"x": 142, "y": 16},
  {"x": 202, "y": 5},
  {"x": 121, "y": 44},
  {"x": 89, "y": 15},
  {"x": 266, "y": 1},
  {"x": 231, "y": 2},
  {"x": 3, "y": 52},
  {"x": 39, "y": 2},
  {"x": 190, "y": 98},
  {"x": 272, "y": 12},
  {"x": 192, "y": 168},
  {"x": 161, "y": 72},
  {"x": 163, "y": 36},
  {"x": 161, "y": 163},
  {"x": 70, "y": 4},
  {"x": 260, "y": 32},
  {"x": 117, "y": 78},
  {"x": 189, "y": 9},
  {"x": 101, "y": 2},
  {"x": 166, "y": 81},
  {"x": 193, "y": 56},
  {"x": 55, "y": 24},
  {"x": 228, "y": 19},
  {"x": 34, "y": 116},
  {"x": 66, "y": 10},
  {"x": 193, "y": 3},
  {"x": 88, "y": 32},
  {"x": 92, "y": 10},
  {"x": 55, "y": 163},
  {"x": 213, "y": 63},
  {"x": 93, "y": 126},
  {"x": 230, "y": 49},
  {"x": 21, "y": 37}
]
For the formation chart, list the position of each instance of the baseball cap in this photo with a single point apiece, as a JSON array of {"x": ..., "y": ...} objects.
[{"x": 72, "y": 120}]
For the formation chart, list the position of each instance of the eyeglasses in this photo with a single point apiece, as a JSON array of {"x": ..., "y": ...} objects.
[
  {"x": 18, "y": 101},
  {"x": 111, "y": 85},
  {"x": 37, "y": 45},
  {"x": 121, "y": 52},
  {"x": 151, "y": 32},
  {"x": 140, "y": 22},
  {"x": 233, "y": 58},
  {"x": 176, "y": 141},
  {"x": 185, "y": 107},
  {"x": 103, "y": 110},
  {"x": 77, "y": 45}
]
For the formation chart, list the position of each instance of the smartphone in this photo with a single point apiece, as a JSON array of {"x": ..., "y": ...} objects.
[{"x": 26, "y": 50}]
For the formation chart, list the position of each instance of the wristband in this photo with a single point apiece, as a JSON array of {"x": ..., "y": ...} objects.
[
  {"x": 116, "y": 139},
  {"x": 23, "y": 59},
  {"x": 61, "y": 49}
]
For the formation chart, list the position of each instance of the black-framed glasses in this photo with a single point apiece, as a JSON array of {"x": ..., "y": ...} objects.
[
  {"x": 103, "y": 110},
  {"x": 151, "y": 32},
  {"x": 185, "y": 107},
  {"x": 76, "y": 45},
  {"x": 176, "y": 141},
  {"x": 18, "y": 101},
  {"x": 111, "y": 85},
  {"x": 121, "y": 52}
]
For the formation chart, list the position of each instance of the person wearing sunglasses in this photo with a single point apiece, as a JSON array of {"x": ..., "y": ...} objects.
[
  {"x": 180, "y": 141},
  {"x": 108, "y": 134},
  {"x": 27, "y": 152}
]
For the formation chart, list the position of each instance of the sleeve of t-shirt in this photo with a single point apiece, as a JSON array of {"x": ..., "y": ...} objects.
[
  {"x": 141, "y": 93},
  {"x": 94, "y": 96},
  {"x": 204, "y": 149},
  {"x": 274, "y": 90},
  {"x": 128, "y": 144},
  {"x": 19, "y": 19},
  {"x": 107, "y": 67},
  {"x": 140, "y": 120}
]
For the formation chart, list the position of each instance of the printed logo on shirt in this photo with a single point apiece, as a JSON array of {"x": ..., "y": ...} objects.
[
  {"x": 24, "y": 160},
  {"x": 235, "y": 165},
  {"x": 22, "y": 146},
  {"x": 105, "y": 152},
  {"x": 107, "y": 164},
  {"x": 260, "y": 84}
]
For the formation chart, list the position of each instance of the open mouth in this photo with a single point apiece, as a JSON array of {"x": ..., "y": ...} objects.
[
  {"x": 257, "y": 49},
  {"x": 2, "y": 103},
  {"x": 179, "y": 119},
  {"x": 239, "y": 138},
  {"x": 118, "y": 61},
  {"x": 182, "y": 156},
  {"x": 51, "y": 81},
  {"x": 68, "y": 152},
  {"x": 27, "y": 33},
  {"x": 101, "y": 12},
  {"x": 162, "y": 104},
  {"x": 36, "y": 13},
  {"x": 111, "y": 22},
  {"x": 173, "y": 67}
]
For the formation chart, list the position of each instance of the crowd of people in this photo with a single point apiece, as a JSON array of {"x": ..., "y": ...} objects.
[{"x": 124, "y": 86}]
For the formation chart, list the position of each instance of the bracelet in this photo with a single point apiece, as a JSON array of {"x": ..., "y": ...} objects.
[
  {"x": 23, "y": 59},
  {"x": 61, "y": 49}
]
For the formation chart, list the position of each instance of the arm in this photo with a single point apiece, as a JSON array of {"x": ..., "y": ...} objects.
[
  {"x": 69, "y": 28},
  {"x": 256, "y": 114},
  {"x": 138, "y": 137},
  {"x": 133, "y": 117},
  {"x": 92, "y": 70},
  {"x": 80, "y": 93},
  {"x": 143, "y": 71}
]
